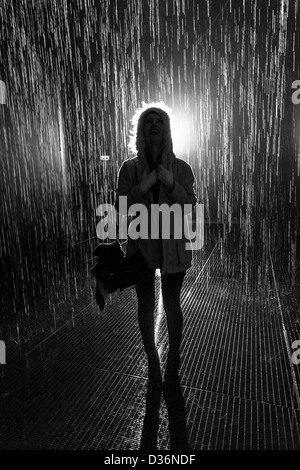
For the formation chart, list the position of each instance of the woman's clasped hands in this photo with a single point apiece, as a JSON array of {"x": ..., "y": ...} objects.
[{"x": 162, "y": 174}]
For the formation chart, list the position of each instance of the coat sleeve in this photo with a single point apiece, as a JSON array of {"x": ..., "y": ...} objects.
[
  {"x": 184, "y": 187},
  {"x": 127, "y": 186}
]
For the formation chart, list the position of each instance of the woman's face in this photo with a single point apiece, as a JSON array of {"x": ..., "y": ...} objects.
[{"x": 153, "y": 129}]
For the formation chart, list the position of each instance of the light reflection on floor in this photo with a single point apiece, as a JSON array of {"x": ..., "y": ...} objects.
[{"x": 85, "y": 387}]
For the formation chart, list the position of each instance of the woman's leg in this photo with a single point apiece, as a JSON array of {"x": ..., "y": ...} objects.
[
  {"x": 171, "y": 290},
  {"x": 146, "y": 305}
]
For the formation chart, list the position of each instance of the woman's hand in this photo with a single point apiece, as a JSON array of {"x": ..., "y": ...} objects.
[
  {"x": 148, "y": 181},
  {"x": 166, "y": 177}
]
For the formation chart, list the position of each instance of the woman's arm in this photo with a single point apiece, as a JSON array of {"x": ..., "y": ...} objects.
[
  {"x": 128, "y": 186},
  {"x": 183, "y": 190}
]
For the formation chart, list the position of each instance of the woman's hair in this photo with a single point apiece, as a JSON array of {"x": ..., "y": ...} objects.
[{"x": 137, "y": 143}]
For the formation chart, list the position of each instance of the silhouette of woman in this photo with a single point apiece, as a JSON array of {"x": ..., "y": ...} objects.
[{"x": 156, "y": 176}]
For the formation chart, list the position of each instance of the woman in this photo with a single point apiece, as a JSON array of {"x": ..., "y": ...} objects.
[{"x": 156, "y": 176}]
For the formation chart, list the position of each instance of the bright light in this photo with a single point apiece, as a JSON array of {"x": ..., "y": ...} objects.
[{"x": 181, "y": 133}]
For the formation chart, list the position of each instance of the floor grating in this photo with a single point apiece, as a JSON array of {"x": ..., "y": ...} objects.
[{"x": 85, "y": 385}]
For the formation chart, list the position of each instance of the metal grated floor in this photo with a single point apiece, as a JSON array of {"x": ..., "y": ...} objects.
[{"x": 85, "y": 386}]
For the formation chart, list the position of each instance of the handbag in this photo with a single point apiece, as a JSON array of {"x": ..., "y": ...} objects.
[{"x": 113, "y": 271}]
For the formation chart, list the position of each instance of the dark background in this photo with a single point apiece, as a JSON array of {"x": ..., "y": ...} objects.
[{"x": 76, "y": 71}]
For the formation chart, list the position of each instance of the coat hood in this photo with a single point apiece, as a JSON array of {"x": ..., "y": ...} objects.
[{"x": 138, "y": 136}]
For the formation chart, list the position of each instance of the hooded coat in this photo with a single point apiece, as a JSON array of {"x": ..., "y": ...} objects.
[{"x": 170, "y": 255}]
